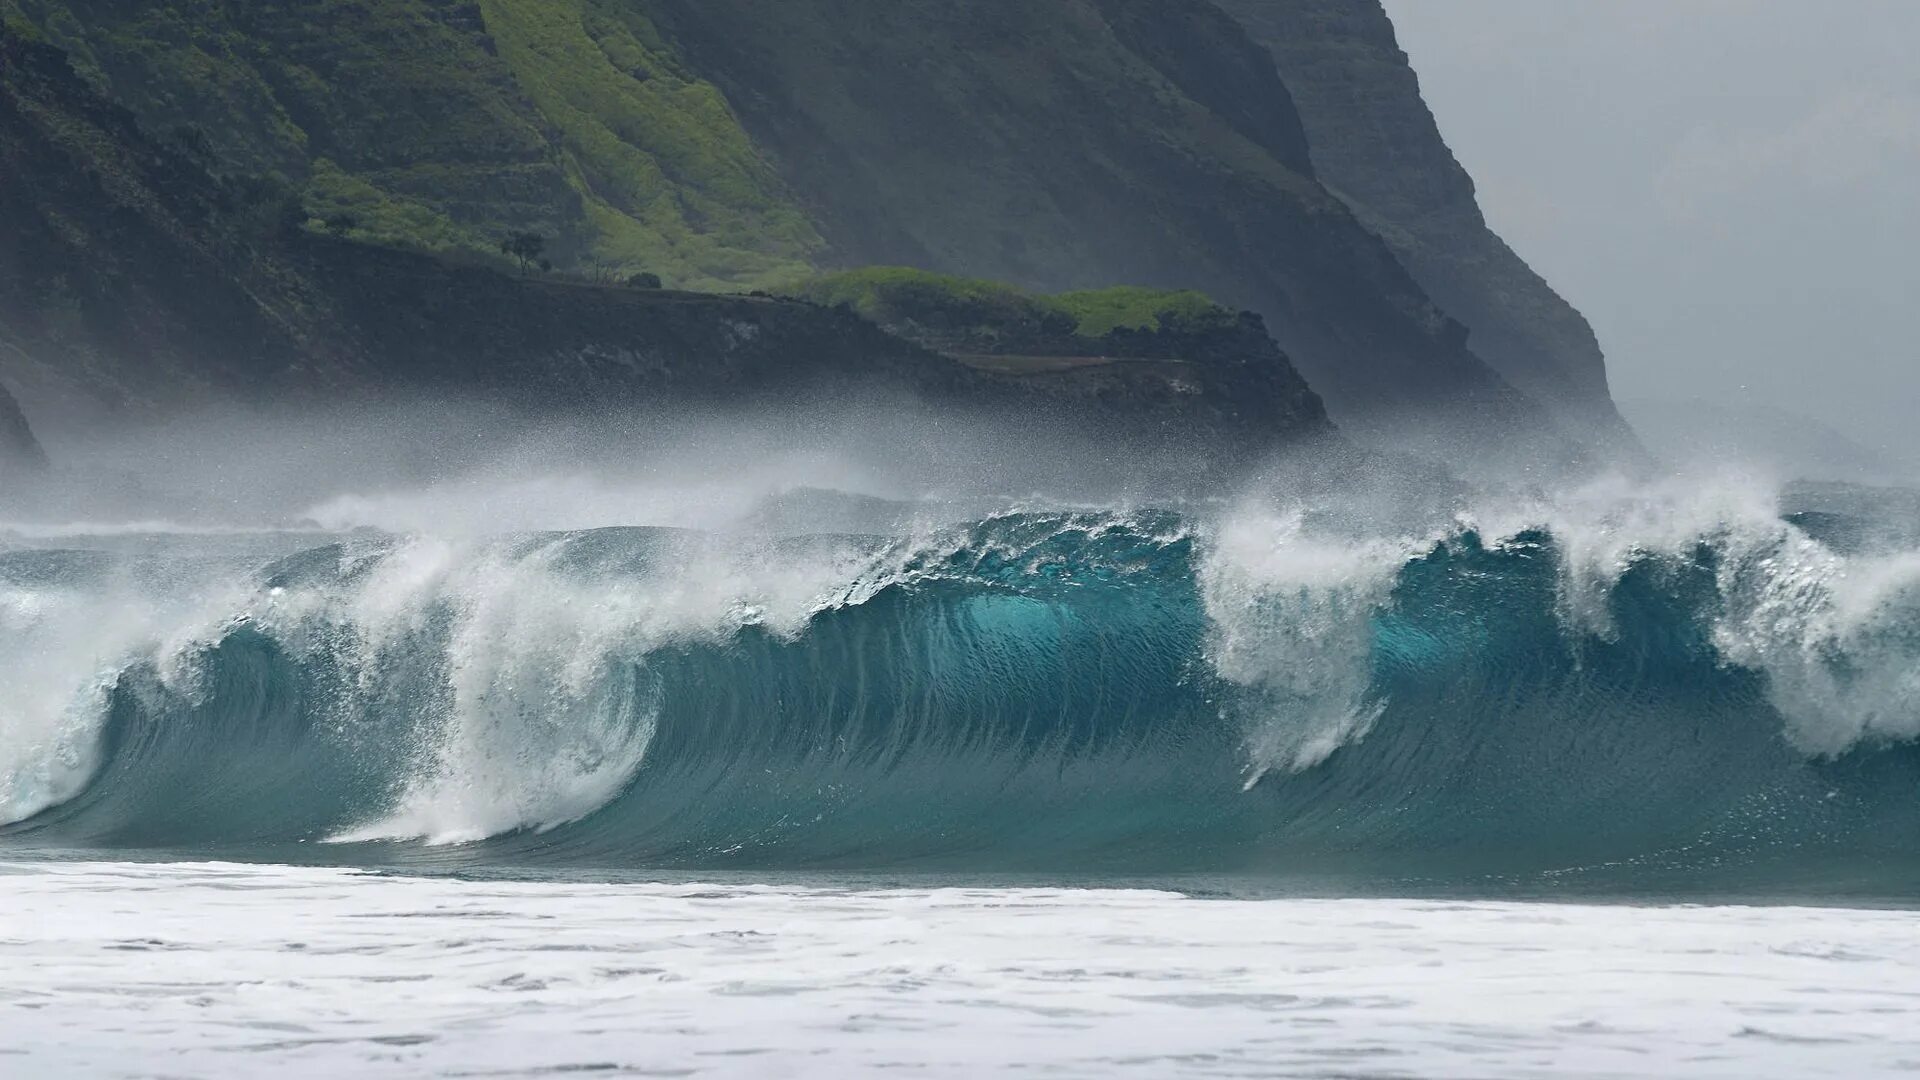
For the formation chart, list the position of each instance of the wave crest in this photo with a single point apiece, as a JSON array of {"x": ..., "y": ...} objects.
[{"x": 1135, "y": 690}]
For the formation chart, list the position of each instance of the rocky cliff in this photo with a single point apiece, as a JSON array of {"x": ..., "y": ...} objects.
[
  {"x": 1083, "y": 143},
  {"x": 129, "y": 279},
  {"x": 19, "y": 450},
  {"x": 1067, "y": 145},
  {"x": 133, "y": 284},
  {"x": 1376, "y": 145}
]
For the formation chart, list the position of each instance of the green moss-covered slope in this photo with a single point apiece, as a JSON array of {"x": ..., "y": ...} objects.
[
  {"x": 974, "y": 313},
  {"x": 669, "y": 179},
  {"x": 447, "y": 124},
  {"x": 1131, "y": 307}
]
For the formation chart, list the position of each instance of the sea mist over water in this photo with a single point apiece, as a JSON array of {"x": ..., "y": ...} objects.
[{"x": 478, "y": 467}]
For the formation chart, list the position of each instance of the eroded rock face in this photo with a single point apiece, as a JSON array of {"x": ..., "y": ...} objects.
[
  {"x": 1079, "y": 144},
  {"x": 20, "y": 452},
  {"x": 1375, "y": 143}
]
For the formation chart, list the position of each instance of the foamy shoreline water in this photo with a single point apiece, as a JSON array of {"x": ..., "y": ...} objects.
[{"x": 120, "y": 969}]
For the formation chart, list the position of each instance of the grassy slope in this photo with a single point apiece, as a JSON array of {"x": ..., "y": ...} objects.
[
  {"x": 671, "y": 181},
  {"x": 1100, "y": 312},
  {"x": 447, "y": 124},
  {"x": 892, "y": 294}
]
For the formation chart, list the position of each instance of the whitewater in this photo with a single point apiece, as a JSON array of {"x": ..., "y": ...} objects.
[
  {"x": 1622, "y": 780},
  {"x": 217, "y": 969}
]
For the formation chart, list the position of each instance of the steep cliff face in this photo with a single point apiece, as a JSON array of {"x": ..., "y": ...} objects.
[
  {"x": 20, "y": 452},
  {"x": 1083, "y": 143},
  {"x": 128, "y": 279},
  {"x": 1376, "y": 144}
]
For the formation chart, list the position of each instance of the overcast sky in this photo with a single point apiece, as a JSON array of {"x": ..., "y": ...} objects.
[{"x": 1729, "y": 189}]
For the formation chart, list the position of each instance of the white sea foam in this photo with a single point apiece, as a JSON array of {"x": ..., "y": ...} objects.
[
  {"x": 63, "y": 645},
  {"x": 48, "y": 721},
  {"x": 115, "y": 970},
  {"x": 1291, "y": 617},
  {"x": 1837, "y": 636},
  {"x": 548, "y": 709},
  {"x": 1603, "y": 528}
]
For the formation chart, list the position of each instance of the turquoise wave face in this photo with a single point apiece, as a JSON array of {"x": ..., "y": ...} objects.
[{"x": 1035, "y": 693}]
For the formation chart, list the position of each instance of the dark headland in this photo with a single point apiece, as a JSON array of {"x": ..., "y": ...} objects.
[{"x": 1187, "y": 228}]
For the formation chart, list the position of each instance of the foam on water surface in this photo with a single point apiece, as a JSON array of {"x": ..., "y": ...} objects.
[{"x": 131, "y": 970}]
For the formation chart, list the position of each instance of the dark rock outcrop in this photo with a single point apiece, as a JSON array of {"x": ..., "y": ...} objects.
[
  {"x": 1081, "y": 143},
  {"x": 20, "y": 452},
  {"x": 1376, "y": 144},
  {"x": 128, "y": 279}
]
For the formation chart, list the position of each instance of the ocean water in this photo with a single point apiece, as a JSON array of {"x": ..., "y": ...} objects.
[
  {"x": 139, "y": 970},
  {"x": 1618, "y": 782}
]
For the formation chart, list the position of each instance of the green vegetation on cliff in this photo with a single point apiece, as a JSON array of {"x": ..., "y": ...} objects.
[
  {"x": 974, "y": 313},
  {"x": 668, "y": 177},
  {"x": 446, "y": 124},
  {"x": 134, "y": 284},
  {"x": 1100, "y": 312}
]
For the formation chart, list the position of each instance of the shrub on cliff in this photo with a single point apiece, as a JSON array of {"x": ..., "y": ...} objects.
[
  {"x": 1126, "y": 307},
  {"x": 962, "y": 312},
  {"x": 525, "y": 248}
]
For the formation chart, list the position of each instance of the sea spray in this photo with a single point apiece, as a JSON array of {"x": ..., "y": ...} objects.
[
  {"x": 71, "y": 623},
  {"x": 537, "y": 701},
  {"x": 1141, "y": 691},
  {"x": 1292, "y": 617}
]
